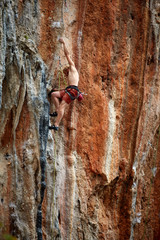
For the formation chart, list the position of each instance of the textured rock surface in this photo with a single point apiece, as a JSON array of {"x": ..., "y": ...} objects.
[{"x": 99, "y": 176}]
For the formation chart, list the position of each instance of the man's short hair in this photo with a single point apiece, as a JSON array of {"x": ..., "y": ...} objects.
[{"x": 66, "y": 70}]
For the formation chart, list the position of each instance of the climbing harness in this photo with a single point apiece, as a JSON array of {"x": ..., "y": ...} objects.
[{"x": 79, "y": 96}]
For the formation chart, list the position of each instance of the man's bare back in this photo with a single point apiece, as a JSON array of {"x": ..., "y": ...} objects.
[{"x": 73, "y": 76}]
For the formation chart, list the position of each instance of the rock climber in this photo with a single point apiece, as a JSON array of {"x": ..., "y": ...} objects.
[{"x": 64, "y": 97}]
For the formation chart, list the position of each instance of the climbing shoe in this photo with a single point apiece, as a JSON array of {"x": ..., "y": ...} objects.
[
  {"x": 54, "y": 114},
  {"x": 49, "y": 94},
  {"x": 53, "y": 128}
]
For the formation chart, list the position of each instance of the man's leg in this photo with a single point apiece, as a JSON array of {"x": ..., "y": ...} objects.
[
  {"x": 61, "y": 109},
  {"x": 55, "y": 99}
]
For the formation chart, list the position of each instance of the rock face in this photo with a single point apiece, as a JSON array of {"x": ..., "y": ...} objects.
[{"x": 99, "y": 176}]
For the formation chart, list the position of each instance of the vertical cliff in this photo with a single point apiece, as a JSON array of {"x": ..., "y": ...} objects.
[
  {"x": 24, "y": 120},
  {"x": 99, "y": 176}
]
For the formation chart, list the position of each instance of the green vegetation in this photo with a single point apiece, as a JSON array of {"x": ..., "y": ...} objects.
[{"x": 8, "y": 237}]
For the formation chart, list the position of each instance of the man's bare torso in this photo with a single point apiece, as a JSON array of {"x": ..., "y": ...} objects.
[{"x": 73, "y": 76}]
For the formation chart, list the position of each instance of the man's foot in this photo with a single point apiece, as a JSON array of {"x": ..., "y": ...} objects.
[
  {"x": 53, "y": 128},
  {"x": 54, "y": 114}
]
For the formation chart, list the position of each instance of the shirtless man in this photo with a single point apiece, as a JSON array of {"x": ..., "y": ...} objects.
[{"x": 63, "y": 97}]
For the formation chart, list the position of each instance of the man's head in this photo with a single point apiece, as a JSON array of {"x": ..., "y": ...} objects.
[{"x": 66, "y": 71}]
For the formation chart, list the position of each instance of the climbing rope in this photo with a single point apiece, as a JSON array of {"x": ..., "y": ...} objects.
[{"x": 60, "y": 75}]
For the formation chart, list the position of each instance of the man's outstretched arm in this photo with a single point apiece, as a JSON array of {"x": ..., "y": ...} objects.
[{"x": 71, "y": 63}]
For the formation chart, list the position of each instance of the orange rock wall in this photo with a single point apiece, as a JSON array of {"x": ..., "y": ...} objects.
[{"x": 98, "y": 177}]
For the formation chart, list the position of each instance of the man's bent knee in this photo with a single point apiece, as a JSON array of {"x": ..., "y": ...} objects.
[{"x": 56, "y": 94}]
